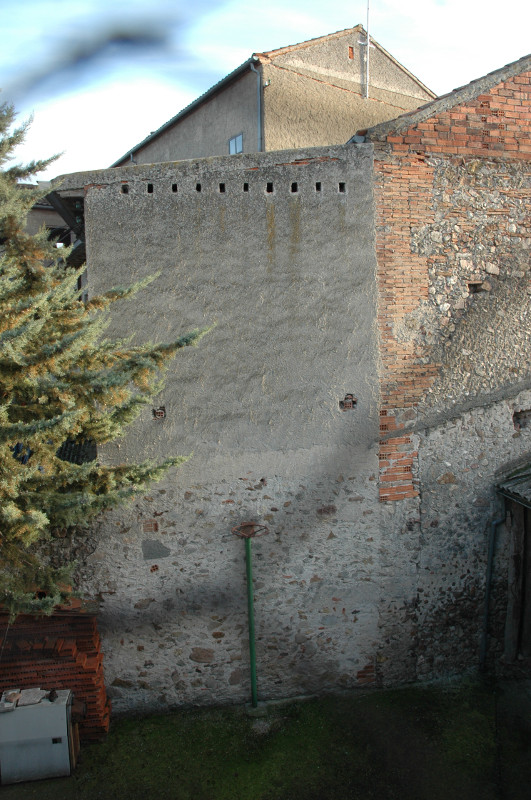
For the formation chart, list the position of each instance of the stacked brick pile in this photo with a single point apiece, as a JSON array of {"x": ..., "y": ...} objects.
[{"x": 58, "y": 652}]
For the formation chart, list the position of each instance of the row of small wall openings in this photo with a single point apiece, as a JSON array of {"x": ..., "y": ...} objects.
[{"x": 294, "y": 187}]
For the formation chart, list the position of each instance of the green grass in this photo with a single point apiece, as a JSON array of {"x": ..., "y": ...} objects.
[{"x": 413, "y": 744}]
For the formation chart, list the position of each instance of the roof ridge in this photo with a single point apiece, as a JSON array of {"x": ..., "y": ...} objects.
[{"x": 309, "y": 42}]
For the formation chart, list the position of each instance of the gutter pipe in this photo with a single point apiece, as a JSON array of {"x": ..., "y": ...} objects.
[
  {"x": 488, "y": 579},
  {"x": 258, "y": 104}
]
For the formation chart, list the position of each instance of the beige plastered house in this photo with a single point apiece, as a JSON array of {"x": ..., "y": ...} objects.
[{"x": 305, "y": 95}]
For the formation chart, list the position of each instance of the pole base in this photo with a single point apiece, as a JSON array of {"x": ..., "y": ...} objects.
[{"x": 259, "y": 710}]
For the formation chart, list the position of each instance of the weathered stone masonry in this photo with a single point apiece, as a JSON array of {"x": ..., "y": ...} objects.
[
  {"x": 424, "y": 228},
  {"x": 453, "y": 240},
  {"x": 396, "y": 270},
  {"x": 278, "y": 250}
]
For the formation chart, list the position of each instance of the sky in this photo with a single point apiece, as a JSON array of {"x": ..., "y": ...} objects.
[{"x": 99, "y": 75}]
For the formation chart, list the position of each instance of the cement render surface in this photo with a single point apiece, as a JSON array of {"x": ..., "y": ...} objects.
[
  {"x": 288, "y": 278},
  {"x": 208, "y": 128}
]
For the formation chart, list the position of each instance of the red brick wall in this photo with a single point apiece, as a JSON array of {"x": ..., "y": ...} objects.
[
  {"x": 494, "y": 125},
  {"x": 402, "y": 189}
]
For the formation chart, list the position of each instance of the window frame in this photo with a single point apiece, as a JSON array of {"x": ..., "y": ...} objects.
[{"x": 234, "y": 141}]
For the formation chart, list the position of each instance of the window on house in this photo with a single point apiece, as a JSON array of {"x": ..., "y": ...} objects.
[{"x": 236, "y": 144}]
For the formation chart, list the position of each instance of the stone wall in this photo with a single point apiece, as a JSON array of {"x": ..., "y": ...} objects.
[
  {"x": 453, "y": 240},
  {"x": 400, "y": 275},
  {"x": 277, "y": 250}
]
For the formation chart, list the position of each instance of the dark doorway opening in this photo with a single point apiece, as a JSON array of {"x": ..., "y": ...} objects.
[{"x": 518, "y": 628}]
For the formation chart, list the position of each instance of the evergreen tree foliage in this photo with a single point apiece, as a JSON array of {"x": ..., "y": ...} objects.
[{"x": 60, "y": 380}]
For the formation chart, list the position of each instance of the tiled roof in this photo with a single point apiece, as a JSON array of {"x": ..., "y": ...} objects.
[{"x": 446, "y": 101}]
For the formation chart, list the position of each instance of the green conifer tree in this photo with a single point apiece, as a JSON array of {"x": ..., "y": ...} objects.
[{"x": 60, "y": 380}]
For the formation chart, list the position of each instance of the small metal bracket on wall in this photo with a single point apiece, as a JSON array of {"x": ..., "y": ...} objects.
[
  {"x": 348, "y": 403},
  {"x": 159, "y": 413}
]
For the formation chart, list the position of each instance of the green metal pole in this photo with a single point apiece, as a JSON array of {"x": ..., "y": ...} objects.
[{"x": 252, "y": 651}]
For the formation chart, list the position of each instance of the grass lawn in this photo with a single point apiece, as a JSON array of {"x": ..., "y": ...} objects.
[{"x": 428, "y": 743}]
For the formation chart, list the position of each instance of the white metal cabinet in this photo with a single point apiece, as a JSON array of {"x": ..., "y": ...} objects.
[{"x": 36, "y": 740}]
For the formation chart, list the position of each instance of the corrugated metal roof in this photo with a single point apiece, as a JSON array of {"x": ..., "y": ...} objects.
[{"x": 517, "y": 486}]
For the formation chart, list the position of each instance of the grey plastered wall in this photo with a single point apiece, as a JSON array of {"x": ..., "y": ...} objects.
[
  {"x": 289, "y": 278},
  {"x": 206, "y": 130},
  {"x": 331, "y": 61}
]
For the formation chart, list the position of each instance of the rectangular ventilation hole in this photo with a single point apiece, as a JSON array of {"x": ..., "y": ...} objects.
[
  {"x": 245, "y": 187},
  {"x": 318, "y": 186},
  {"x": 342, "y": 188},
  {"x": 174, "y": 187},
  {"x": 125, "y": 189},
  {"x": 150, "y": 188},
  {"x": 150, "y": 526},
  {"x": 294, "y": 187},
  {"x": 222, "y": 188},
  {"x": 269, "y": 188},
  {"x": 474, "y": 287},
  {"x": 198, "y": 187},
  {"x": 350, "y": 51},
  {"x": 521, "y": 419}
]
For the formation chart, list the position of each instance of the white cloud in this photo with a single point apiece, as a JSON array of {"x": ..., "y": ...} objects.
[{"x": 95, "y": 128}]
